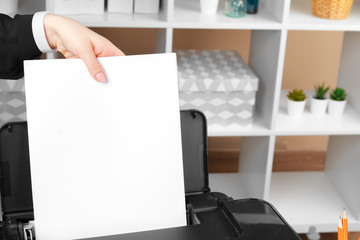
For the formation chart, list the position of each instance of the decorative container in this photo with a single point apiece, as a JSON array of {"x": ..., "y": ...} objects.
[
  {"x": 218, "y": 83},
  {"x": 318, "y": 106},
  {"x": 235, "y": 8},
  {"x": 332, "y": 9},
  {"x": 295, "y": 108},
  {"x": 209, "y": 6},
  {"x": 336, "y": 108},
  {"x": 252, "y": 6}
]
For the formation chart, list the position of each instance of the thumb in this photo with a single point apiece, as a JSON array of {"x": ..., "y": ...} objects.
[{"x": 93, "y": 66}]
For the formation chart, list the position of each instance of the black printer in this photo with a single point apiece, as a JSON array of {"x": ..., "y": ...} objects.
[{"x": 210, "y": 215}]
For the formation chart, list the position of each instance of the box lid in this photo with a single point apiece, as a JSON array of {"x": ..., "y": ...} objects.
[
  {"x": 15, "y": 180},
  {"x": 194, "y": 144},
  {"x": 214, "y": 71}
]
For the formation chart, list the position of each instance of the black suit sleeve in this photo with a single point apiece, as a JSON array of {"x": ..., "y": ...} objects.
[{"x": 17, "y": 44}]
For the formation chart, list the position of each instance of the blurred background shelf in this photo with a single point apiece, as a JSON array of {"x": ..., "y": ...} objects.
[
  {"x": 265, "y": 41},
  {"x": 300, "y": 18},
  {"x": 309, "y": 124},
  {"x": 121, "y": 20},
  {"x": 308, "y": 199},
  {"x": 187, "y": 15}
]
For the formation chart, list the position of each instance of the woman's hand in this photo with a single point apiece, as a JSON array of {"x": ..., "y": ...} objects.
[{"x": 74, "y": 40}]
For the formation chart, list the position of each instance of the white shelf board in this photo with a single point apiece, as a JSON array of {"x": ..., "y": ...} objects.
[
  {"x": 122, "y": 20},
  {"x": 229, "y": 184},
  {"x": 301, "y": 18},
  {"x": 258, "y": 128},
  {"x": 309, "y": 124},
  {"x": 187, "y": 15},
  {"x": 308, "y": 199}
]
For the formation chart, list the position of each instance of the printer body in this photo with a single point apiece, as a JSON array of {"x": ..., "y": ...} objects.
[{"x": 210, "y": 215}]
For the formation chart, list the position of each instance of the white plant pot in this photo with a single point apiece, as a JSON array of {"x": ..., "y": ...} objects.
[
  {"x": 318, "y": 106},
  {"x": 209, "y": 6},
  {"x": 336, "y": 108},
  {"x": 9, "y": 7},
  {"x": 295, "y": 108}
]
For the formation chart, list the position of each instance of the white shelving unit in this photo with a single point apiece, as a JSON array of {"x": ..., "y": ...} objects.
[{"x": 304, "y": 198}]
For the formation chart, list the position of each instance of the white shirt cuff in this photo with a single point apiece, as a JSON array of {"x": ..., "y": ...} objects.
[{"x": 39, "y": 32}]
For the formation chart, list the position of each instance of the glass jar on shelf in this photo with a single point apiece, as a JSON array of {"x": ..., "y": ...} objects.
[
  {"x": 252, "y": 6},
  {"x": 235, "y": 8}
]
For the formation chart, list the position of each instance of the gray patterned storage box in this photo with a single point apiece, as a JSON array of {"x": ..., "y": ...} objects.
[
  {"x": 12, "y": 101},
  {"x": 219, "y": 83}
]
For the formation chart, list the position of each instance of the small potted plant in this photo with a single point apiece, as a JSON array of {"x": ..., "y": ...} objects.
[
  {"x": 319, "y": 102},
  {"x": 296, "y": 102},
  {"x": 337, "y": 102}
]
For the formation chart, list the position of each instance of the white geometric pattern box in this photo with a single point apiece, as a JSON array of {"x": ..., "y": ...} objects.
[
  {"x": 219, "y": 83},
  {"x": 12, "y": 101}
]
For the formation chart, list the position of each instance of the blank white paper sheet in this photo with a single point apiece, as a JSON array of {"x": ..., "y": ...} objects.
[{"x": 106, "y": 158}]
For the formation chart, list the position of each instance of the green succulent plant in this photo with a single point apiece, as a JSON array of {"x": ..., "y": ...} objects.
[
  {"x": 338, "y": 94},
  {"x": 297, "y": 95},
  {"x": 321, "y": 91}
]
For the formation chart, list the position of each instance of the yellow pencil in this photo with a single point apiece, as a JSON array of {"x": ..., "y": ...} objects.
[
  {"x": 340, "y": 230},
  {"x": 345, "y": 225}
]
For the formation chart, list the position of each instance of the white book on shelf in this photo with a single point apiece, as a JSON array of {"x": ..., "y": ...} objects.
[
  {"x": 65, "y": 6},
  {"x": 146, "y": 6},
  {"x": 120, "y": 6},
  {"x": 91, "y": 6}
]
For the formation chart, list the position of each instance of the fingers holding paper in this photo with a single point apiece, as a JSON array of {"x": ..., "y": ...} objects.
[{"x": 74, "y": 40}]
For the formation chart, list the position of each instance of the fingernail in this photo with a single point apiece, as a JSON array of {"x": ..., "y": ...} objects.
[{"x": 100, "y": 77}]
